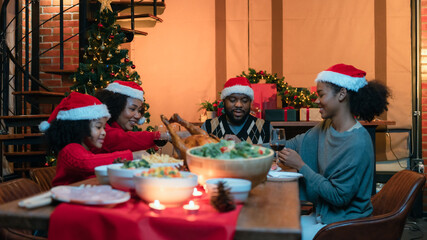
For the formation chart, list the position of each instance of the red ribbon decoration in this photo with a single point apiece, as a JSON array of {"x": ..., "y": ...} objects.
[
  {"x": 308, "y": 114},
  {"x": 286, "y": 112},
  {"x": 219, "y": 112}
]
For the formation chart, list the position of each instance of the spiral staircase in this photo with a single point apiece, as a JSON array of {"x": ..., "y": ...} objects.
[{"x": 26, "y": 100}]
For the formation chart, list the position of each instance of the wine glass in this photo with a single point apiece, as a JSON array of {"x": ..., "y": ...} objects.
[
  {"x": 277, "y": 140},
  {"x": 162, "y": 138}
]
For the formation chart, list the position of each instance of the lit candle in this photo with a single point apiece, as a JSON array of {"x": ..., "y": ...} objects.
[
  {"x": 191, "y": 207},
  {"x": 156, "y": 207},
  {"x": 197, "y": 193}
]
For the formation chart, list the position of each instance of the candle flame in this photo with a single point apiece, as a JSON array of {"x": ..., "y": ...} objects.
[{"x": 191, "y": 204}]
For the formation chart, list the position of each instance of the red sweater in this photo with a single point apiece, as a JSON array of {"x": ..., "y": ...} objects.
[
  {"x": 117, "y": 139},
  {"x": 75, "y": 163}
]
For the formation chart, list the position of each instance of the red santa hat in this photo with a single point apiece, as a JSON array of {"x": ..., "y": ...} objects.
[
  {"x": 345, "y": 76},
  {"x": 77, "y": 106},
  {"x": 130, "y": 89},
  {"x": 237, "y": 85}
]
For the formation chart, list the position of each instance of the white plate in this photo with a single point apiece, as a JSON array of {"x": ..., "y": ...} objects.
[
  {"x": 96, "y": 195},
  {"x": 283, "y": 176}
]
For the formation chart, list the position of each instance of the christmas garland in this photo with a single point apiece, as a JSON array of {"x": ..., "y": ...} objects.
[
  {"x": 255, "y": 77},
  {"x": 291, "y": 96}
]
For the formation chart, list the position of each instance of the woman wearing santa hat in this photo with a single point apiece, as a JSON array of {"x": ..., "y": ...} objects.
[
  {"x": 336, "y": 157},
  {"x": 75, "y": 126},
  {"x": 125, "y": 103}
]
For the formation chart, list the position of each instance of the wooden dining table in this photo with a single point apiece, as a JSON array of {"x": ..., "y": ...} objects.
[{"x": 272, "y": 211}]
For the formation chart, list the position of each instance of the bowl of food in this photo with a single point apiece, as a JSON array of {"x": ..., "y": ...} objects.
[
  {"x": 121, "y": 174},
  {"x": 239, "y": 188},
  {"x": 163, "y": 160},
  {"x": 101, "y": 173},
  {"x": 166, "y": 184},
  {"x": 227, "y": 159}
]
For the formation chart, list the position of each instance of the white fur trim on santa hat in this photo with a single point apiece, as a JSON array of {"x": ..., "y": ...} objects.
[
  {"x": 85, "y": 113},
  {"x": 125, "y": 90},
  {"x": 44, "y": 126},
  {"x": 342, "y": 80},
  {"x": 237, "y": 89}
]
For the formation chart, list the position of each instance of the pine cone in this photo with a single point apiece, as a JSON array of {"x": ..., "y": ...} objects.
[{"x": 222, "y": 200}]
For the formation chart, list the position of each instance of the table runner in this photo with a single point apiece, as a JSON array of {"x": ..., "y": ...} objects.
[{"x": 135, "y": 220}]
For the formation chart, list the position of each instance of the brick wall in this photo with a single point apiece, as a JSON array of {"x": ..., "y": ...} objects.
[
  {"x": 424, "y": 86},
  {"x": 49, "y": 34}
]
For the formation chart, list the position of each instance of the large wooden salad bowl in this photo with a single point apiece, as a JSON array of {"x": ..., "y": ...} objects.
[{"x": 252, "y": 169}]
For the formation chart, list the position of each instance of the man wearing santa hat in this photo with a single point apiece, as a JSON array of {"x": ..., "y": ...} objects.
[{"x": 237, "y": 124}]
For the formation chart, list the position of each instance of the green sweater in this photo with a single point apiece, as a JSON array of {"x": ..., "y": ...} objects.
[{"x": 340, "y": 189}]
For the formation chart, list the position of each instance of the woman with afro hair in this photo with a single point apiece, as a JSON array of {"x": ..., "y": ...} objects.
[{"x": 336, "y": 157}]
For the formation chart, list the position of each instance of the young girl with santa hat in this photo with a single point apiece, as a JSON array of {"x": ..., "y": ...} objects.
[
  {"x": 76, "y": 125},
  {"x": 336, "y": 157}
]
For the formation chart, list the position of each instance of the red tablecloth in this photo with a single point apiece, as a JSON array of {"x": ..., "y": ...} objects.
[{"x": 134, "y": 220}]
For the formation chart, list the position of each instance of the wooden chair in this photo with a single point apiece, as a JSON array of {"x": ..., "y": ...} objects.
[
  {"x": 391, "y": 207},
  {"x": 12, "y": 190},
  {"x": 43, "y": 176}
]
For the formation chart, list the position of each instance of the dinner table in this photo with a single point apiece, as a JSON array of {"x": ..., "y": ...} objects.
[
  {"x": 293, "y": 128},
  {"x": 272, "y": 211}
]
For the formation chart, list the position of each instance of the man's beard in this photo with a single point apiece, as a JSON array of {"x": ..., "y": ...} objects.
[{"x": 234, "y": 121}]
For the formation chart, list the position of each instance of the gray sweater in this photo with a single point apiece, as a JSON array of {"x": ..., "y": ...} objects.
[{"x": 338, "y": 174}]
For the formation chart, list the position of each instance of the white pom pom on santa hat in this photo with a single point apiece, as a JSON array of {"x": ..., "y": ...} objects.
[
  {"x": 142, "y": 120},
  {"x": 44, "y": 126},
  {"x": 77, "y": 106}
]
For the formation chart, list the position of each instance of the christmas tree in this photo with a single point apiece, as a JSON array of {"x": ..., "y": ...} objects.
[{"x": 103, "y": 60}]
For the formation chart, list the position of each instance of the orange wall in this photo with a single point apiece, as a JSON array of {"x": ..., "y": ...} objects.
[{"x": 176, "y": 60}]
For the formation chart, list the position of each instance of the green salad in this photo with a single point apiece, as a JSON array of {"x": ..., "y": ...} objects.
[
  {"x": 230, "y": 150},
  {"x": 136, "y": 164}
]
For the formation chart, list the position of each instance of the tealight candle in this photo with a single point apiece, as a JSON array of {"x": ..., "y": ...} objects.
[
  {"x": 191, "y": 207},
  {"x": 197, "y": 193},
  {"x": 156, "y": 206}
]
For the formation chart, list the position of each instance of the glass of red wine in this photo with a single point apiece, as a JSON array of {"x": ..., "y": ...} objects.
[
  {"x": 277, "y": 140},
  {"x": 162, "y": 138}
]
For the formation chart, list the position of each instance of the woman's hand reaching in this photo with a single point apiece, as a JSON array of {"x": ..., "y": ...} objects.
[{"x": 290, "y": 158}]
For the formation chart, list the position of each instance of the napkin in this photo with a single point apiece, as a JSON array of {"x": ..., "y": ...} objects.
[{"x": 283, "y": 176}]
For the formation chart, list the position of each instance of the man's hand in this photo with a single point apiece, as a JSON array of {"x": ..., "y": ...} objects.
[
  {"x": 291, "y": 158},
  {"x": 231, "y": 137}
]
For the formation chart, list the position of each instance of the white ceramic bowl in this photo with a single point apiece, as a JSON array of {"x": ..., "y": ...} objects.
[
  {"x": 239, "y": 188},
  {"x": 169, "y": 191},
  {"x": 154, "y": 165},
  {"x": 252, "y": 169},
  {"x": 101, "y": 174},
  {"x": 121, "y": 178}
]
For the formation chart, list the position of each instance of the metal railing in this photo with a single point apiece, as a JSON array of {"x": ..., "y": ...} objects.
[{"x": 26, "y": 73}]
